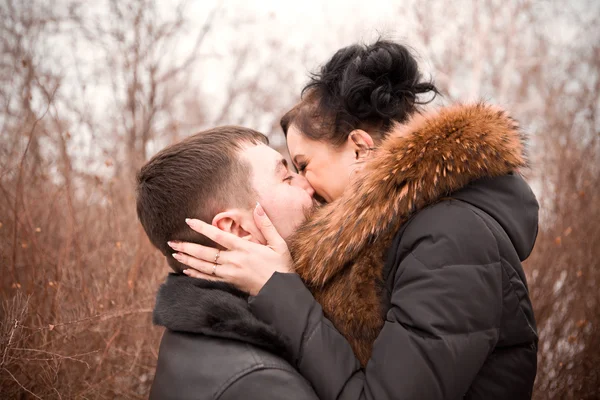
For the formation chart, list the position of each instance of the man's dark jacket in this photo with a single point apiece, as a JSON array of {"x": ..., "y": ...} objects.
[
  {"x": 214, "y": 348},
  {"x": 456, "y": 320}
]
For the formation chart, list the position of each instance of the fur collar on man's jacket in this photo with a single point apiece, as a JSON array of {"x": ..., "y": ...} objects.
[
  {"x": 216, "y": 309},
  {"x": 339, "y": 251}
]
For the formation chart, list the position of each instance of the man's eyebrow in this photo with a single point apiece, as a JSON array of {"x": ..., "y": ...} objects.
[{"x": 281, "y": 164}]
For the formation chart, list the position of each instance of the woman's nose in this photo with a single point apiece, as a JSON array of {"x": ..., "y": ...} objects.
[{"x": 303, "y": 183}]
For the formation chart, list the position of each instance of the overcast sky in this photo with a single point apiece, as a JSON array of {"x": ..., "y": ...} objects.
[{"x": 287, "y": 39}]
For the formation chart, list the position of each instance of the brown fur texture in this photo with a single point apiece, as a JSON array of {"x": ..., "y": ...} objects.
[{"x": 339, "y": 251}]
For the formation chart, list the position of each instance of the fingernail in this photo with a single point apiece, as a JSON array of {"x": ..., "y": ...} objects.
[
  {"x": 172, "y": 244},
  {"x": 176, "y": 255},
  {"x": 185, "y": 271},
  {"x": 188, "y": 221},
  {"x": 259, "y": 210}
]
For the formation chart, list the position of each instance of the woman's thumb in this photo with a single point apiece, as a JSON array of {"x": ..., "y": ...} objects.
[{"x": 266, "y": 227}]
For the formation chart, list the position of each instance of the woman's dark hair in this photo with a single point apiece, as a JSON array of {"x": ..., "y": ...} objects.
[{"x": 362, "y": 87}]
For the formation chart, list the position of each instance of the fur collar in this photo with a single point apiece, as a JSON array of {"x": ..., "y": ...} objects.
[
  {"x": 214, "y": 309},
  {"x": 339, "y": 251}
]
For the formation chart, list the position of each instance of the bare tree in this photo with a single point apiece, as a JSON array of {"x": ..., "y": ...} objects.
[{"x": 74, "y": 324}]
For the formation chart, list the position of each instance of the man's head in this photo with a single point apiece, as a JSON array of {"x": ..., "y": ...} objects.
[{"x": 217, "y": 176}]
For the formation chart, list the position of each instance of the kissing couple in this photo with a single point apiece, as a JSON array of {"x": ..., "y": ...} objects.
[{"x": 385, "y": 263}]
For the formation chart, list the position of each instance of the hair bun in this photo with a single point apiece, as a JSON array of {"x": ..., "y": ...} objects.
[
  {"x": 360, "y": 87},
  {"x": 382, "y": 82}
]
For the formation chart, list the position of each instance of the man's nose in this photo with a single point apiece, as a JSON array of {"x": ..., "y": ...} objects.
[{"x": 303, "y": 183}]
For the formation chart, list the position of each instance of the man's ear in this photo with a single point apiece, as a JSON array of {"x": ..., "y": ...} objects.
[
  {"x": 362, "y": 143},
  {"x": 234, "y": 221}
]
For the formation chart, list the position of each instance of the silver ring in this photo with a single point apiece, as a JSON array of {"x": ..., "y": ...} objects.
[
  {"x": 215, "y": 269},
  {"x": 217, "y": 256}
]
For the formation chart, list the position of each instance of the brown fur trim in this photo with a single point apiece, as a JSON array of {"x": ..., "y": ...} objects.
[{"x": 339, "y": 251}]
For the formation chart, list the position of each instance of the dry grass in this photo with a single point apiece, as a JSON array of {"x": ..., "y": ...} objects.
[
  {"x": 564, "y": 275},
  {"x": 79, "y": 283},
  {"x": 77, "y": 295}
]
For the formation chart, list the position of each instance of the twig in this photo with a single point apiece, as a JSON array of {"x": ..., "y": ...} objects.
[
  {"x": 57, "y": 393},
  {"x": 194, "y": 53},
  {"x": 91, "y": 387},
  {"x": 60, "y": 355},
  {"x": 101, "y": 317},
  {"x": 12, "y": 333},
  {"x": 22, "y": 387},
  {"x": 108, "y": 344},
  {"x": 20, "y": 187}
]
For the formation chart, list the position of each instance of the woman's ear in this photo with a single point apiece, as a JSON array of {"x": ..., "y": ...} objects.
[{"x": 362, "y": 143}]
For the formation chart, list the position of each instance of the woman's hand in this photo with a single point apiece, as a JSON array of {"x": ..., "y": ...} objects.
[{"x": 245, "y": 264}]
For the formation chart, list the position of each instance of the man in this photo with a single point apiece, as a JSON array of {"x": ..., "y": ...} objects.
[{"x": 213, "y": 347}]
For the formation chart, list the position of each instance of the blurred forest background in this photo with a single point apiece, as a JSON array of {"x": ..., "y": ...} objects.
[{"x": 89, "y": 90}]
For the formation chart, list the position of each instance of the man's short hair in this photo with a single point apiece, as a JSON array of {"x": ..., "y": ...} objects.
[{"x": 195, "y": 178}]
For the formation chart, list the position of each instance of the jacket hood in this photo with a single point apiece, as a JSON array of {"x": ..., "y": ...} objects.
[
  {"x": 216, "y": 309},
  {"x": 511, "y": 202}
]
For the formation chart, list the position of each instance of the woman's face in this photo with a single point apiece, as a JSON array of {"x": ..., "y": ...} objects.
[{"x": 328, "y": 169}]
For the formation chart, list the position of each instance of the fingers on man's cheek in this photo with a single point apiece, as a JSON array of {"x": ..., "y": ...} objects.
[{"x": 218, "y": 238}]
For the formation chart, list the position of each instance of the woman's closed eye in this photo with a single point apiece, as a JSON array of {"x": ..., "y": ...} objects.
[
  {"x": 288, "y": 178},
  {"x": 301, "y": 167}
]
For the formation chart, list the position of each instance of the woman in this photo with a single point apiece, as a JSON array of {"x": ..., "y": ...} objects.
[{"x": 416, "y": 260}]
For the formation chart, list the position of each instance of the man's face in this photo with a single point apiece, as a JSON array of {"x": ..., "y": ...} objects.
[{"x": 284, "y": 195}]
